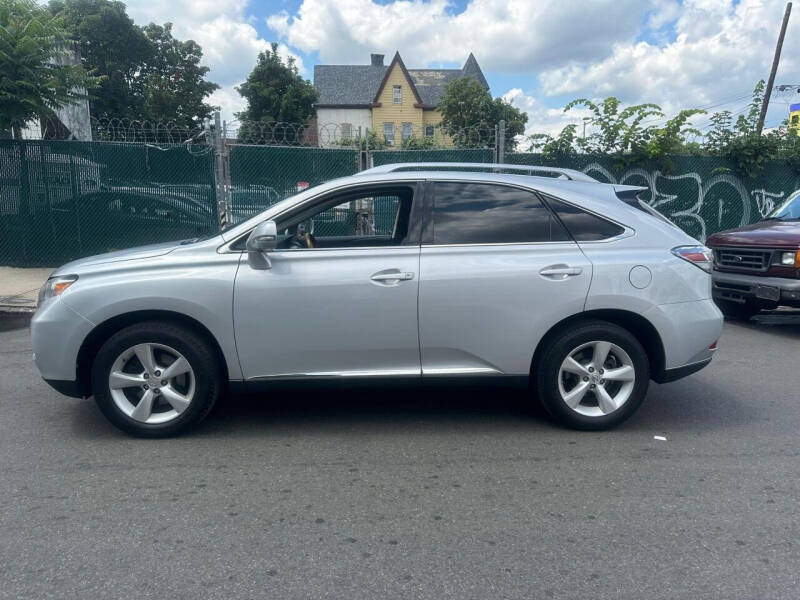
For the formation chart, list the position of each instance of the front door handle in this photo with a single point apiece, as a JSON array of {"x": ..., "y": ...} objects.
[
  {"x": 392, "y": 276},
  {"x": 560, "y": 271}
]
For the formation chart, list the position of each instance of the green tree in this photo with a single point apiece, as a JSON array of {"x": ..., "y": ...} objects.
[
  {"x": 740, "y": 143},
  {"x": 149, "y": 74},
  {"x": 110, "y": 44},
  {"x": 470, "y": 114},
  {"x": 621, "y": 132},
  {"x": 275, "y": 91},
  {"x": 36, "y": 78},
  {"x": 172, "y": 84},
  {"x": 616, "y": 131}
]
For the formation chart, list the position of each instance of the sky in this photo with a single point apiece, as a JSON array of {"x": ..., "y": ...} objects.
[{"x": 538, "y": 54}]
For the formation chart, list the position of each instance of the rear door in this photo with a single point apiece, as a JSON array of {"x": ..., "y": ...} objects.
[{"x": 497, "y": 270}]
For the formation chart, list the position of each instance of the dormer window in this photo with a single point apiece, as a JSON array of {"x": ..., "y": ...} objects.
[{"x": 397, "y": 94}]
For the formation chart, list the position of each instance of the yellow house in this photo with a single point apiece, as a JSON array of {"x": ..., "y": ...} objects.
[
  {"x": 794, "y": 118},
  {"x": 396, "y": 103}
]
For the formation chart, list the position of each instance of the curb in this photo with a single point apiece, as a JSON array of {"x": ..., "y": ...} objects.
[{"x": 15, "y": 317}]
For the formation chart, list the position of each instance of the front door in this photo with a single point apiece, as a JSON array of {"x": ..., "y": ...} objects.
[
  {"x": 341, "y": 296},
  {"x": 497, "y": 270}
]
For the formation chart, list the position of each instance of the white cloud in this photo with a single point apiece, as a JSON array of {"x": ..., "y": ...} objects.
[
  {"x": 719, "y": 51},
  {"x": 545, "y": 119},
  {"x": 506, "y": 35}
]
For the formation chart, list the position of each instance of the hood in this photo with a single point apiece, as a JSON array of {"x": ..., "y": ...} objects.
[
  {"x": 121, "y": 255},
  {"x": 775, "y": 234}
]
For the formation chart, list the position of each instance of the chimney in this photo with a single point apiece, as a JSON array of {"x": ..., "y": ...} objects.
[{"x": 377, "y": 60}]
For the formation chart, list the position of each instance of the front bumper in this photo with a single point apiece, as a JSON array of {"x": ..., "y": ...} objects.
[
  {"x": 57, "y": 333},
  {"x": 66, "y": 387},
  {"x": 739, "y": 287}
]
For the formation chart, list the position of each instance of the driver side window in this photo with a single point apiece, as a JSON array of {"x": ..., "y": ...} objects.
[{"x": 370, "y": 218}]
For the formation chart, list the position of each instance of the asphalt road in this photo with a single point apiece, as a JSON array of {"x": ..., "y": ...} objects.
[{"x": 445, "y": 493}]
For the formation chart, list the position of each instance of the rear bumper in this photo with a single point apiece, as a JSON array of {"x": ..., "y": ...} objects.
[
  {"x": 738, "y": 287},
  {"x": 680, "y": 372}
]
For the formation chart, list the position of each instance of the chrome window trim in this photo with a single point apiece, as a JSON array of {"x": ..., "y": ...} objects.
[
  {"x": 628, "y": 231},
  {"x": 570, "y": 242}
]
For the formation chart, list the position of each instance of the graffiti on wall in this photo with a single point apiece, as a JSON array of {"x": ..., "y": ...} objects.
[{"x": 699, "y": 206}]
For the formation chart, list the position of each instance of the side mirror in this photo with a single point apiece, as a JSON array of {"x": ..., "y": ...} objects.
[{"x": 261, "y": 240}]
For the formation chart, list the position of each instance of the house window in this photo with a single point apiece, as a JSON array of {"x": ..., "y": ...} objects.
[
  {"x": 429, "y": 131},
  {"x": 388, "y": 133},
  {"x": 347, "y": 131},
  {"x": 397, "y": 94},
  {"x": 406, "y": 131}
]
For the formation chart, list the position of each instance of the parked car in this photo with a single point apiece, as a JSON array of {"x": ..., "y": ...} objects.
[
  {"x": 758, "y": 266},
  {"x": 574, "y": 287}
]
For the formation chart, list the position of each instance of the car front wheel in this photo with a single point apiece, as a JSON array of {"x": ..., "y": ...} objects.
[
  {"x": 155, "y": 379},
  {"x": 592, "y": 376}
]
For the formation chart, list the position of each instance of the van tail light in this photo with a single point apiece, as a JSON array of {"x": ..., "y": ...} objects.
[{"x": 699, "y": 256}]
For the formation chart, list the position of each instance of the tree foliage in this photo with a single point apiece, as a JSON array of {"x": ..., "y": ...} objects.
[
  {"x": 470, "y": 114},
  {"x": 739, "y": 142},
  {"x": 275, "y": 91},
  {"x": 36, "y": 74},
  {"x": 111, "y": 45},
  {"x": 173, "y": 85},
  {"x": 148, "y": 74},
  {"x": 626, "y": 133}
]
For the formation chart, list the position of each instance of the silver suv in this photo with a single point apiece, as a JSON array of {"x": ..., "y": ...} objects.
[{"x": 419, "y": 271}]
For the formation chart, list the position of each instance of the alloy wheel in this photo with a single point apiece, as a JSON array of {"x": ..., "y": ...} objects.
[
  {"x": 152, "y": 383},
  {"x": 596, "y": 378}
]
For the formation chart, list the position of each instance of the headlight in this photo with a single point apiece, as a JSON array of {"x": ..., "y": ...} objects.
[
  {"x": 789, "y": 259},
  {"x": 55, "y": 286}
]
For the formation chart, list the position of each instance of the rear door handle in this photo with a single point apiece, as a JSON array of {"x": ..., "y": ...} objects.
[
  {"x": 560, "y": 271},
  {"x": 392, "y": 276}
]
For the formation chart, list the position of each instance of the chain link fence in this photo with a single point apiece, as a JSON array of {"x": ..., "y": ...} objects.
[
  {"x": 140, "y": 182},
  {"x": 61, "y": 200},
  {"x": 700, "y": 194}
]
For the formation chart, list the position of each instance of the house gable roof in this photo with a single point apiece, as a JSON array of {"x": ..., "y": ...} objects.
[
  {"x": 397, "y": 61},
  {"x": 355, "y": 86}
]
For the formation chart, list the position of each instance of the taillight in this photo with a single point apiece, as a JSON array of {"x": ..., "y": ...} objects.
[{"x": 699, "y": 256}]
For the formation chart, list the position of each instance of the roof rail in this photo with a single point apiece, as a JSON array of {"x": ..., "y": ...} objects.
[{"x": 570, "y": 174}]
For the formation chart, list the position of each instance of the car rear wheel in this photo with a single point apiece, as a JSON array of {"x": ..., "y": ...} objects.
[
  {"x": 155, "y": 379},
  {"x": 737, "y": 311},
  {"x": 592, "y": 376}
]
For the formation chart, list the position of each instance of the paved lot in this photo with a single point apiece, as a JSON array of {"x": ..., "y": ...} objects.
[{"x": 436, "y": 494}]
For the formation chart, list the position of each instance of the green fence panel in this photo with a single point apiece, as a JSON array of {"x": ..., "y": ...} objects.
[
  {"x": 700, "y": 194},
  {"x": 263, "y": 175},
  {"x": 475, "y": 155},
  {"x": 61, "y": 200}
]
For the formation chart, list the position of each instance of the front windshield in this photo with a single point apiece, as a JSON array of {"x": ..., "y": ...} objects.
[{"x": 789, "y": 209}]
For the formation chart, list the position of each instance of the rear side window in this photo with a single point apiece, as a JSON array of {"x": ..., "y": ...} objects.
[
  {"x": 483, "y": 213},
  {"x": 584, "y": 226}
]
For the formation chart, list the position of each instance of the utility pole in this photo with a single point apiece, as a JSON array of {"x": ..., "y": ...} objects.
[
  {"x": 776, "y": 59},
  {"x": 501, "y": 141}
]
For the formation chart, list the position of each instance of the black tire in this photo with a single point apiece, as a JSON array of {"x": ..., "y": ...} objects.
[
  {"x": 556, "y": 349},
  {"x": 735, "y": 311},
  {"x": 197, "y": 351}
]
